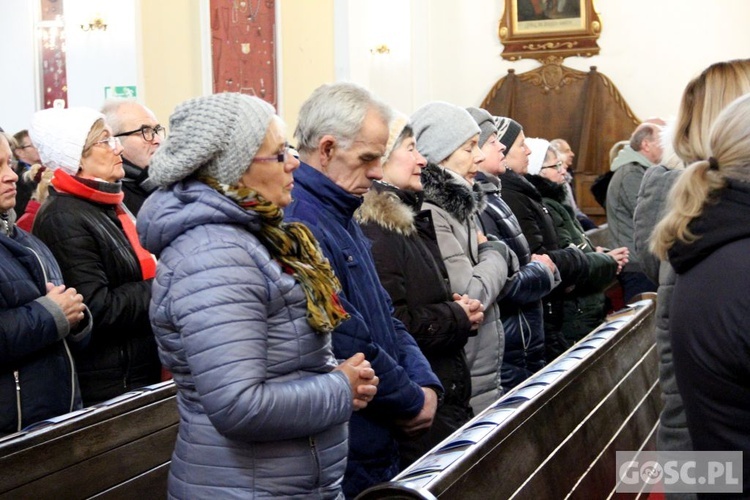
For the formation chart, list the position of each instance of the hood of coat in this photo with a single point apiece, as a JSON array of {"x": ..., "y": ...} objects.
[
  {"x": 450, "y": 193},
  {"x": 723, "y": 221},
  {"x": 172, "y": 211},
  {"x": 390, "y": 208},
  {"x": 547, "y": 188},
  {"x": 628, "y": 155}
]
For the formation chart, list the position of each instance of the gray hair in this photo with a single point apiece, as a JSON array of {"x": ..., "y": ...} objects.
[
  {"x": 336, "y": 109},
  {"x": 642, "y": 132},
  {"x": 112, "y": 115}
]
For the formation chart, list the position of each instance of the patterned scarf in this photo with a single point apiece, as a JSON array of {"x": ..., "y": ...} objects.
[{"x": 294, "y": 247}]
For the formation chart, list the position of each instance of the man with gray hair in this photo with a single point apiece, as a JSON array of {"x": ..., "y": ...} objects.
[
  {"x": 342, "y": 133},
  {"x": 629, "y": 167},
  {"x": 140, "y": 135}
]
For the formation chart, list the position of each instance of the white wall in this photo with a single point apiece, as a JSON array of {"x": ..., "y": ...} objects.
[
  {"x": 650, "y": 49},
  {"x": 17, "y": 65},
  {"x": 94, "y": 59}
]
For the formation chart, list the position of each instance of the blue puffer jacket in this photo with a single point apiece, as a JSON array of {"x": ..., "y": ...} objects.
[
  {"x": 520, "y": 305},
  {"x": 261, "y": 412},
  {"x": 37, "y": 379},
  {"x": 328, "y": 211}
]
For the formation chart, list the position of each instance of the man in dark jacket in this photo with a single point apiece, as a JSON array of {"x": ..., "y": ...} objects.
[
  {"x": 140, "y": 135},
  {"x": 27, "y": 155},
  {"x": 342, "y": 134},
  {"x": 39, "y": 316}
]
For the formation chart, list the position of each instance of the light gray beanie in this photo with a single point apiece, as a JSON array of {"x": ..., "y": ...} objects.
[
  {"x": 485, "y": 121},
  {"x": 219, "y": 133},
  {"x": 440, "y": 128}
]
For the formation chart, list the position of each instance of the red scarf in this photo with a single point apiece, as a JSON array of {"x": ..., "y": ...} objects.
[{"x": 65, "y": 183}]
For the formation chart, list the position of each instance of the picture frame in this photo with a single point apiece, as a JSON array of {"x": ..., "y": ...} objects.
[{"x": 549, "y": 29}]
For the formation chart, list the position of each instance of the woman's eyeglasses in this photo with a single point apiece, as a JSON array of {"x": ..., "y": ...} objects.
[
  {"x": 280, "y": 157},
  {"x": 112, "y": 142},
  {"x": 148, "y": 133},
  {"x": 557, "y": 166}
]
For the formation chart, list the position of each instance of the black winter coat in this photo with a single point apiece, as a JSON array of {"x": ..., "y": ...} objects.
[
  {"x": 520, "y": 306},
  {"x": 709, "y": 325},
  {"x": 410, "y": 268},
  {"x": 97, "y": 259},
  {"x": 37, "y": 378},
  {"x": 537, "y": 226},
  {"x": 136, "y": 186}
]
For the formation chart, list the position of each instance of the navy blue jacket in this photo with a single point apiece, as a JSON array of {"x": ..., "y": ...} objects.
[
  {"x": 37, "y": 378},
  {"x": 328, "y": 211},
  {"x": 520, "y": 305}
]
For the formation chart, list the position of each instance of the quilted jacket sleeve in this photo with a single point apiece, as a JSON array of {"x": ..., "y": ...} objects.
[
  {"x": 27, "y": 329},
  {"x": 219, "y": 300}
]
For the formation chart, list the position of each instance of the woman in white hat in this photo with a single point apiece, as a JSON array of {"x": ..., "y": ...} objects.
[{"x": 93, "y": 238}]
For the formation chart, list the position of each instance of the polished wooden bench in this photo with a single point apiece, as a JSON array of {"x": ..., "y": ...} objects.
[
  {"x": 118, "y": 449},
  {"x": 556, "y": 434}
]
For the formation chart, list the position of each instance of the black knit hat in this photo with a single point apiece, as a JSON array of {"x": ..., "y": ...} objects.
[{"x": 507, "y": 130}]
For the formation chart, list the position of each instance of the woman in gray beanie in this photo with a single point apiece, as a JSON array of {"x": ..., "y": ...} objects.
[
  {"x": 243, "y": 306},
  {"x": 447, "y": 136}
]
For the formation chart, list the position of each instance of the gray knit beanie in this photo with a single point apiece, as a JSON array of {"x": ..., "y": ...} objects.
[
  {"x": 219, "y": 134},
  {"x": 485, "y": 121},
  {"x": 507, "y": 131},
  {"x": 440, "y": 128}
]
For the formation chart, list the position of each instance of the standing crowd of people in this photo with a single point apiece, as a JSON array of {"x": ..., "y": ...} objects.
[{"x": 331, "y": 312}]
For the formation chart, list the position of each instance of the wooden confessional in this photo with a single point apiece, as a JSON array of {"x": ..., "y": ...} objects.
[{"x": 586, "y": 109}]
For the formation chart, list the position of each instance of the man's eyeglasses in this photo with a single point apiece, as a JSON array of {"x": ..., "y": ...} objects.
[
  {"x": 112, "y": 142},
  {"x": 148, "y": 133},
  {"x": 557, "y": 166},
  {"x": 279, "y": 158}
]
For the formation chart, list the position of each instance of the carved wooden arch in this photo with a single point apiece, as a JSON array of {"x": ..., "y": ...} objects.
[{"x": 586, "y": 109}]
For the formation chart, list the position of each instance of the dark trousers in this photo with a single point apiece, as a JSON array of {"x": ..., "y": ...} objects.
[{"x": 634, "y": 283}]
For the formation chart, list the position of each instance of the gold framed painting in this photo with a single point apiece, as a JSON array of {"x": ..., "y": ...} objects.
[{"x": 543, "y": 29}]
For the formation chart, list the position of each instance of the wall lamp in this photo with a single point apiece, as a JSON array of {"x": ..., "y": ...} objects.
[{"x": 96, "y": 24}]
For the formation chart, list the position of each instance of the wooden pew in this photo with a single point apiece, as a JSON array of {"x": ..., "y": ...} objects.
[
  {"x": 557, "y": 433},
  {"x": 118, "y": 449}
]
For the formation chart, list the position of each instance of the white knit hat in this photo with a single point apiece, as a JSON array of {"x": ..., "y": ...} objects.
[
  {"x": 398, "y": 123},
  {"x": 60, "y": 135},
  {"x": 538, "y": 149}
]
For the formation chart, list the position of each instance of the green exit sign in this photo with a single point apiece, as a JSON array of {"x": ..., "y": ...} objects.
[{"x": 122, "y": 91}]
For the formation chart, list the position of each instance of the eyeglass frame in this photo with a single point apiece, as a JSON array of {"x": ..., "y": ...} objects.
[
  {"x": 279, "y": 158},
  {"x": 557, "y": 166},
  {"x": 26, "y": 146},
  {"x": 157, "y": 130},
  {"x": 112, "y": 141}
]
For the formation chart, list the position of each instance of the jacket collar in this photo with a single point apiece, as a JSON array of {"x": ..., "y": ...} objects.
[
  {"x": 335, "y": 199},
  {"x": 450, "y": 193},
  {"x": 391, "y": 208},
  {"x": 514, "y": 182}
]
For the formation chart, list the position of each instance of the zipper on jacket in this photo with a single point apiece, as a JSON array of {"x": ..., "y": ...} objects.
[
  {"x": 72, "y": 377},
  {"x": 316, "y": 461},
  {"x": 41, "y": 264},
  {"x": 17, "y": 376}
]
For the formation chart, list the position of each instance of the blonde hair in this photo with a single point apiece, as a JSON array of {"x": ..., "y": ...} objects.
[
  {"x": 41, "y": 192},
  {"x": 700, "y": 183},
  {"x": 702, "y": 101},
  {"x": 95, "y": 133}
]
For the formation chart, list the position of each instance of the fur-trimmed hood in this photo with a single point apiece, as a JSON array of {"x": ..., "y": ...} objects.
[
  {"x": 390, "y": 208},
  {"x": 452, "y": 194}
]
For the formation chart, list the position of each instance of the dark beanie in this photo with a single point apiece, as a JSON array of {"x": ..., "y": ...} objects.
[
  {"x": 507, "y": 130},
  {"x": 485, "y": 121}
]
